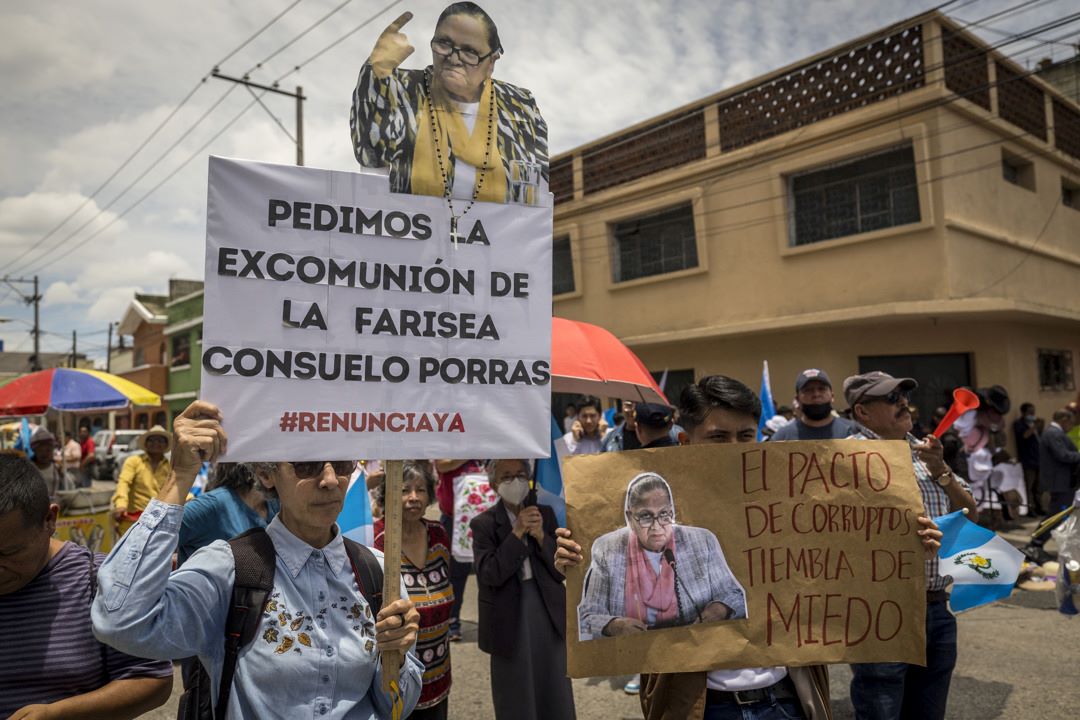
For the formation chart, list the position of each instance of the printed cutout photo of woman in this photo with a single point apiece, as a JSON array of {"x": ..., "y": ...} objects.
[
  {"x": 450, "y": 130},
  {"x": 655, "y": 573}
]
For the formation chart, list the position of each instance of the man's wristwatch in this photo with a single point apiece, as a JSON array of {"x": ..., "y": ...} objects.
[{"x": 944, "y": 478}]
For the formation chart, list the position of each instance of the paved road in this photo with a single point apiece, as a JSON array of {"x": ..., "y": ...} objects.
[{"x": 1019, "y": 660}]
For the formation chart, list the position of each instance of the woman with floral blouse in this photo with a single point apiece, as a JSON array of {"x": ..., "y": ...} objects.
[{"x": 425, "y": 570}]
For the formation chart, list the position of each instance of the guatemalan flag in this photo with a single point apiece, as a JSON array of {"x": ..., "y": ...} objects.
[
  {"x": 355, "y": 519},
  {"x": 983, "y": 566},
  {"x": 768, "y": 409}
]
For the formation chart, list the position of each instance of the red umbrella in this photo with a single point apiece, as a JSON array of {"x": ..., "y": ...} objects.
[{"x": 590, "y": 360}]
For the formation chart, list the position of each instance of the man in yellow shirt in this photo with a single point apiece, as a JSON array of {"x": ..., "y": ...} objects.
[{"x": 141, "y": 477}]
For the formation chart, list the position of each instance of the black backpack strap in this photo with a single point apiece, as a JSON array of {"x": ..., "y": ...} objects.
[
  {"x": 253, "y": 553},
  {"x": 368, "y": 573}
]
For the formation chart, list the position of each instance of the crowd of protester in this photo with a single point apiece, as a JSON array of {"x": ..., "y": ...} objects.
[{"x": 99, "y": 632}]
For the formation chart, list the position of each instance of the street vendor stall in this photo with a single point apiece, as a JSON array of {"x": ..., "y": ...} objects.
[{"x": 84, "y": 512}]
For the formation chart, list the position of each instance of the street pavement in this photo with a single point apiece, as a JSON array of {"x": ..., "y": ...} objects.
[{"x": 1018, "y": 660}]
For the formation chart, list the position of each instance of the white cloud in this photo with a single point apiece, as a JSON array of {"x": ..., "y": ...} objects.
[
  {"x": 149, "y": 269},
  {"x": 60, "y": 293},
  {"x": 110, "y": 304},
  {"x": 46, "y": 51},
  {"x": 26, "y": 248},
  {"x": 87, "y": 82}
]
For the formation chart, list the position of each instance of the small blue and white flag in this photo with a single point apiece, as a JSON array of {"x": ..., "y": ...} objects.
[
  {"x": 768, "y": 409},
  {"x": 355, "y": 519},
  {"x": 983, "y": 566}
]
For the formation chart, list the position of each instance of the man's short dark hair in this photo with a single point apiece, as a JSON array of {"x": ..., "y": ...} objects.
[
  {"x": 22, "y": 488},
  {"x": 1027, "y": 405},
  {"x": 716, "y": 391},
  {"x": 589, "y": 401}
]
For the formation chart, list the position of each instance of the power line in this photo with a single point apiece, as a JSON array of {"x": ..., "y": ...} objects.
[
  {"x": 1016, "y": 37},
  {"x": 326, "y": 49},
  {"x": 744, "y": 183},
  {"x": 1028, "y": 252},
  {"x": 257, "y": 33},
  {"x": 304, "y": 32},
  {"x": 133, "y": 183},
  {"x": 160, "y": 158},
  {"x": 600, "y": 251},
  {"x": 152, "y": 190},
  {"x": 337, "y": 42},
  {"x": 153, "y": 133}
]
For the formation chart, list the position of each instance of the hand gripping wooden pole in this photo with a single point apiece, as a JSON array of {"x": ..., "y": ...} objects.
[{"x": 391, "y": 661}]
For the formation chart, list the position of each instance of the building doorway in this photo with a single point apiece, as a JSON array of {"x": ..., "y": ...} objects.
[{"x": 937, "y": 374}]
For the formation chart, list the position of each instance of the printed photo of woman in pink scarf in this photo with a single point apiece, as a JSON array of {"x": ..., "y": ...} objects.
[{"x": 655, "y": 573}]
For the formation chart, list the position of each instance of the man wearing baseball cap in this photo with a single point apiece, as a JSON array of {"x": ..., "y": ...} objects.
[
  {"x": 879, "y": 404},
  {"x": 43, "y": 445},
  {"x": 653, "y": 423},
  {"x": 814, "y": 393}
]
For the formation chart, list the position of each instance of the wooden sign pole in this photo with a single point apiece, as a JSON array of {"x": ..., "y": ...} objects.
[{"x": 391, "y": 661}]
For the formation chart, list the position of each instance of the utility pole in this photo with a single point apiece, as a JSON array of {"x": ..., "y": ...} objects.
[
  {"x": 299, "y": 126},
  {"x": 108, "y": 351},
  {"x": 298, "y": 96},
  {"x": 74, "y": 349},
  {"x": 35, "y": 360},
  {"x": 35, "y": 364}
]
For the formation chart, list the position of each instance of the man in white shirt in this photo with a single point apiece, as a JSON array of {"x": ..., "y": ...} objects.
[
  {"x": 585, "y": 435},
  {"x": 72, "y": 456}
]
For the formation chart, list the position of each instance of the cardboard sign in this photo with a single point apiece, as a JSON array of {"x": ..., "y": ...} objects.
[
  {"x": 744, "y": 555},
  {"x": 340, "y": 320}
]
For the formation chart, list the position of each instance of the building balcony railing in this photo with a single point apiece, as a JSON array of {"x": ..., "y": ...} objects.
[{"x": 892, "y": 62}]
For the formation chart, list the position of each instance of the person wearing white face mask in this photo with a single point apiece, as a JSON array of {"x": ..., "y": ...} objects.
[{"x": 522, "y": 600}]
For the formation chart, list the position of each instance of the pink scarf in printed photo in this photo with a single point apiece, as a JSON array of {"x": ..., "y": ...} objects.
[{"x": 647, "y": 589}]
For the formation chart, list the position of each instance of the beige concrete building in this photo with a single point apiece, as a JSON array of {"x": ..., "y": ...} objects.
[{"x": 909, "y": 201}]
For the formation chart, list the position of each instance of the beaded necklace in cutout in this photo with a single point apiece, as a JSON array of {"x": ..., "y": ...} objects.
[{"x": 482, "y": 172}]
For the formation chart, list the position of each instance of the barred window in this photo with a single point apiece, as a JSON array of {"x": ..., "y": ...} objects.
[
  {"x": 1056, "y": 370},
  {"x": 562, "y": 270},
  {"x": 655, "y": 244},
  {"x": 870, "y": 193}
]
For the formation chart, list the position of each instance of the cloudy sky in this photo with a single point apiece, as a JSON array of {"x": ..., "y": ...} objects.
[{"x": 86, "y": 81}]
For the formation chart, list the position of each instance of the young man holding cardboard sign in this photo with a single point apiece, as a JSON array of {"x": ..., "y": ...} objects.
[{"x": 721, "y": 410}]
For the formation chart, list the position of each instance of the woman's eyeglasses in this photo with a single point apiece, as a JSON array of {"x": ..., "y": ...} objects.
[
  {"x": 310, "y": 469},
  {"x": 445, "y": 48},
  {"x": 647, "y": 519}
]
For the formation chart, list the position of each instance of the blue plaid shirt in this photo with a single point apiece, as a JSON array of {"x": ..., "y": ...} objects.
[{"x": 935, "y": 501}]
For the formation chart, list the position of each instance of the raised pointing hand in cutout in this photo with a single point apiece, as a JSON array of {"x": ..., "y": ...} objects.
[{"x": 391, "y": 48}]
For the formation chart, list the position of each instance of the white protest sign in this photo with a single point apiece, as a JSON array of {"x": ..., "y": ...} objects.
[{"x": 341, "y": 322}]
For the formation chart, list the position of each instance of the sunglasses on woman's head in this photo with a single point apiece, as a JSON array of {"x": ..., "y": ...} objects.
[{"x": 314, "y": 468}]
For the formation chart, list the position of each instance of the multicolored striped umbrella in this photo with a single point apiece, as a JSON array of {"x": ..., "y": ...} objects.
[{"x": 71, "y": 389}]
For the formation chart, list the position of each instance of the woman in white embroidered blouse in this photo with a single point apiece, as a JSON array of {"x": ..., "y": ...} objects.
[{"x": 318, "y": 646}]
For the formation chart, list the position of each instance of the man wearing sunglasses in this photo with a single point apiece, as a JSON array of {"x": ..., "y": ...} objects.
[{"x": 879, "y": 404}]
